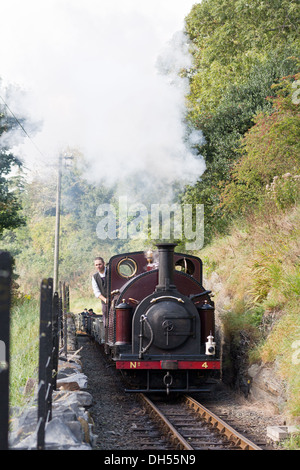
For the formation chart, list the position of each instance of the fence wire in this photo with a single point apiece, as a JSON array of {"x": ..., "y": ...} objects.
[{"x": 52, "y": 340}]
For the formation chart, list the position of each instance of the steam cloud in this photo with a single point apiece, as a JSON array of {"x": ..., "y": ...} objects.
[{"x": 102, "y": 77}]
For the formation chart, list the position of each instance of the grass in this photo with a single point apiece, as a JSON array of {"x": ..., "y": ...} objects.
[
  {"x": 24, "y": 347},
  {"x": 24, "y": 340},
  {"x": 293, "y": 443},
  {"x": 78, "y": 302}
]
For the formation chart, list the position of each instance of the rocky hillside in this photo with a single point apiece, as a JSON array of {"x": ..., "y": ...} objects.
[{"x": 254, "y": 273}]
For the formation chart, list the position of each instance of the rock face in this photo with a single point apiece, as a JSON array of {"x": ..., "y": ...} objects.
[
  {"x": 266, "y": 386},
  {"x": 71, "y": 426},
  {"x": 259, "y": 382}
]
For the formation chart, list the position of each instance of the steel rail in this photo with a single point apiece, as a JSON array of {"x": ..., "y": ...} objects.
[
  {"x": 223, "y": 427},
  {"x": 184, "y": 445}
]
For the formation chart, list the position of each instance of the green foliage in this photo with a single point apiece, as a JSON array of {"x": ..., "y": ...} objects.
[
  {"x": 32, "y": 246},
  {"x": 9, "y": 187},
  {"x": 240, "y": 49},
  {"x": 223, "y": 131},
  {"x": 285, "y": 190},
  {"x": 257, "y": 286},
  {"x": 282, "y": 346},
  {"x": 229, "y": 37},
  {"x": 292, "y": 443},
  {"x": 271, "y": 148}
]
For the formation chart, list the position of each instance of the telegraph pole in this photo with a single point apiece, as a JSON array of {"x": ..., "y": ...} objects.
[
  {"x": 57, "y": 226},
  {"x": 57, "y": 219}
]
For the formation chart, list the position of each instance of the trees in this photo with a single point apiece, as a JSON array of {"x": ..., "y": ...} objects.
[
  {"x": 32, "y": 245},
  {"x": 9, "y": 204},
  {"x": 270, "y": 149},
  {"x": 9, "y": 186},
  {"x": 229, "y": 37}
]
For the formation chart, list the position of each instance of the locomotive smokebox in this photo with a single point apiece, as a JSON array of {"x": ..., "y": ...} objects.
[{"x": 166, "y": 266}]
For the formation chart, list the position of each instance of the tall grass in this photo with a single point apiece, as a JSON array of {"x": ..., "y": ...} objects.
[
  {"x": 259, "y": 268},
  {"x": 24, "y": 340},
  {"x": 24, "y": 347}
]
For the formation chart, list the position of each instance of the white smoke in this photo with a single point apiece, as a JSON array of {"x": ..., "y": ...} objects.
[{"x": 102, "y": 77}]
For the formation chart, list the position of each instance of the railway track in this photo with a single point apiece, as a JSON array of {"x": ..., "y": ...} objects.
[
  {"x": 191, "y": 426},
  {"x": 121, "y": 423}
]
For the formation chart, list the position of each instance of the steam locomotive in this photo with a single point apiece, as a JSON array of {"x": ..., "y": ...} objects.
[{"x": 160, "y": 327}]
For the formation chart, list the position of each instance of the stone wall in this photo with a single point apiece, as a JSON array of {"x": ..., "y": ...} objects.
[{"x": 71, "y": 426}]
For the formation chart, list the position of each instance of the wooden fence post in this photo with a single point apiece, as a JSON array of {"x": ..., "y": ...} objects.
[
  {"x": 45, "y": 361},
  {"x": 65, "y": 323},
  {"x": 56, "y": 333},
  {"x": 50, "y": 328}
]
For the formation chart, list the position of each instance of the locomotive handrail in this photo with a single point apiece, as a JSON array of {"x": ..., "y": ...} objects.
[
  {"x": 114, "y": 292},
  {"x": 163, "y": 297},
  {"x": 143, "y": 350},
  {"x": 201, "y": 293}
]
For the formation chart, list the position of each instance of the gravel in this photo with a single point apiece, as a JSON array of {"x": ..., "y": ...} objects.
[
  {"x": 115, "y": 412},
  {"x": 118, "y": 415}
]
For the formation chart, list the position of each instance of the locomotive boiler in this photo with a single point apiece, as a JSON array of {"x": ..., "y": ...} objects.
[{"x": 160, "y": 325}]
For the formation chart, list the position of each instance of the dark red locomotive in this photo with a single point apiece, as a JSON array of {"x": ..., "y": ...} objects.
[{"x": 160, "y": 327}]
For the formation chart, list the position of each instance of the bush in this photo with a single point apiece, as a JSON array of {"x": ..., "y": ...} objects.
[
  {"x": 270, "y": 148},
  {"x": 285, "y": 190}
]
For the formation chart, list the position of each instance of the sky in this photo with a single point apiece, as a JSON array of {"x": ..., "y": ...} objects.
[{"x": 87, "y": 75}]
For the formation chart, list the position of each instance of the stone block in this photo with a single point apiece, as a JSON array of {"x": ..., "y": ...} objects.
[
  {"x": 278, "y": 433},
  {"x": 80, "y": 378}
]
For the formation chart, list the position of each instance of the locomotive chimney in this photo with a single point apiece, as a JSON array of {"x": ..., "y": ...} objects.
[{"x": 166, "y": 266}]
